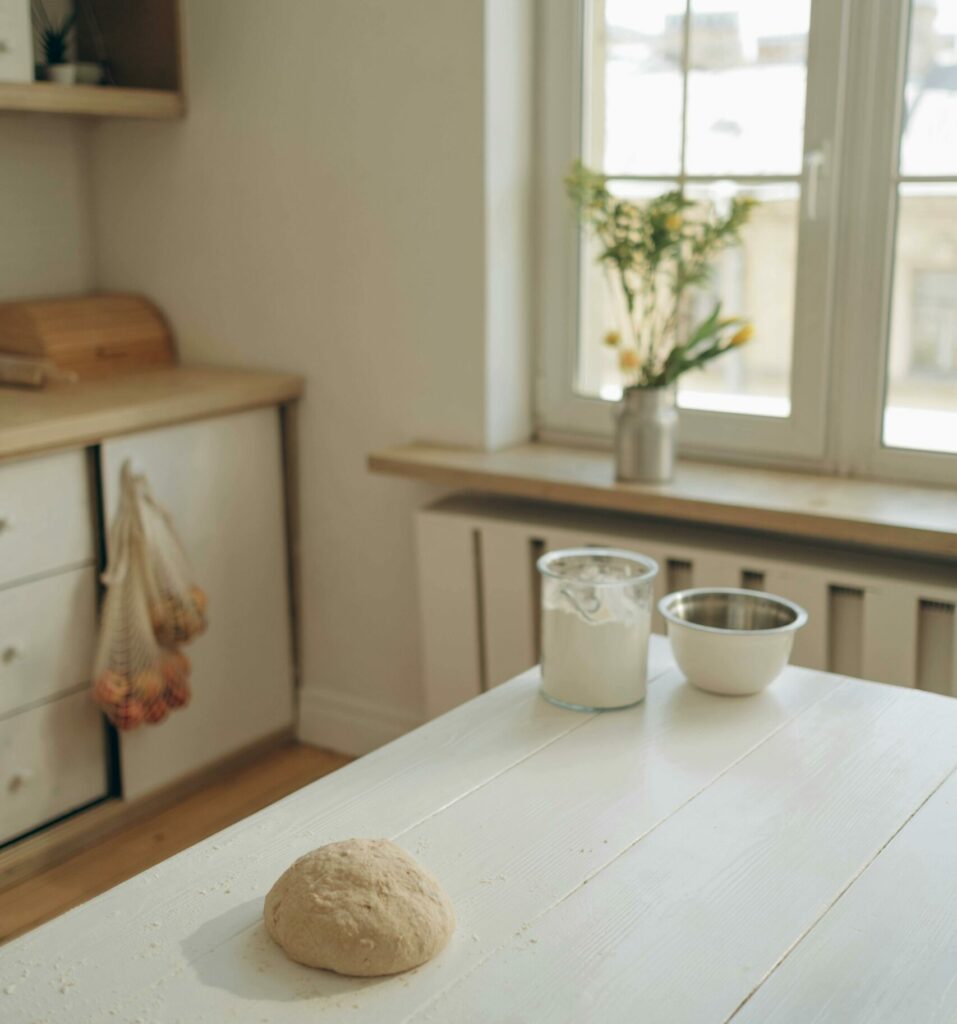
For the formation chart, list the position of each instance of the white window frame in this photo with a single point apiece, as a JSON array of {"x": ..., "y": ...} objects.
[
  {"x": 845, "y": 256},
  {"x": 879, "y": 38}
]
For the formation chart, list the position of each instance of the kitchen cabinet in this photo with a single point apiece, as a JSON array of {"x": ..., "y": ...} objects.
[
  {"x": 45, "y": 516},
  {"x": 212, "y": 444},
  {"x": 52, "y": 760},
  {"x": 221, "y": 480},
  {"x": 47, "y": 637},
  {"x": 53, "y": 753}
]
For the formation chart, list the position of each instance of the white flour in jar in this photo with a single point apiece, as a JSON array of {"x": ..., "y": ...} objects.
[{"x": 598, "y": 662}]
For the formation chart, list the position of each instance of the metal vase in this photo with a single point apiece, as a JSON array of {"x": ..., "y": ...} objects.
[{"x": 646, "y": 434}]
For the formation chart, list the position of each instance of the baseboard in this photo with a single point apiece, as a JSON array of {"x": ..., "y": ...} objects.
[{"x": 348, "y": 724}]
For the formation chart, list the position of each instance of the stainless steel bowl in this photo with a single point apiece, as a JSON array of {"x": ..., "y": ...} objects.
[
  {"x": 731, "y": 641},
  {"x": 724, "y": 609}
]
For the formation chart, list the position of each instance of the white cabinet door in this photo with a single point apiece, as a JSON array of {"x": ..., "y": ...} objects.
[{"x": 221, "y": 480}]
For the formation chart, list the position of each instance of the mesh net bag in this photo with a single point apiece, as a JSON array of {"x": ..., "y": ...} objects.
[
  {"x": 136, "y": 678},
  {"x": 177, "y": 606}
]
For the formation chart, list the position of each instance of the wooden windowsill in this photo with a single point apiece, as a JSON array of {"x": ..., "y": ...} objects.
[{"x": 892, "y": 517}]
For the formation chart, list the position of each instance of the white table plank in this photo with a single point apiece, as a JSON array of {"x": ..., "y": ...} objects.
[
  {"x": 690, "y": 920},
  {"x": 514, "y": 847},
  {"x": 887, "y": 950},
  {"x": 695, "y": 837},
  {"x": 142, "y": 923}
]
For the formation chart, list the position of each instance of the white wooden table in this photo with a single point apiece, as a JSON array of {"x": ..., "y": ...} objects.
[{"x": 786, "y": 857}]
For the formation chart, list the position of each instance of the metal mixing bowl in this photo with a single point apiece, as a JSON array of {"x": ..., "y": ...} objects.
[{"x": 731, "y": 641}]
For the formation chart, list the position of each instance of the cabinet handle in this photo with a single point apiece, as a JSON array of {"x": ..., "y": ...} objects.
[
  {"x": 5, "y": 523},
  {"x": 19, "y": 779}
]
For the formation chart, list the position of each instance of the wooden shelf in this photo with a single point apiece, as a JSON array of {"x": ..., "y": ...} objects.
[
  {"x": 869, "y": 513},
  {"x": 91, "y": 100}
]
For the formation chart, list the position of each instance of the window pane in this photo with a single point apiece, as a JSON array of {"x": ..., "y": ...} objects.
[
  {"x": 636, "y": 88},
  {"x": 746, "y": 86},
  {"x": 755, "y": 280},
  {"x": 929, "y": 141},
  {"x": 921, "y": 407}
]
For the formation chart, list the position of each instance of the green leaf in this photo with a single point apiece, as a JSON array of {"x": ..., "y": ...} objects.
[{"x": 706, "y": 328}]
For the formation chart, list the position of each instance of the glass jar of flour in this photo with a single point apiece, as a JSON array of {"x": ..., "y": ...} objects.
[{"x": 596, "y": 621}]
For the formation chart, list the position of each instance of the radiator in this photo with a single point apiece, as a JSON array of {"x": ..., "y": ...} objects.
[{"x": 870, "y": 615}]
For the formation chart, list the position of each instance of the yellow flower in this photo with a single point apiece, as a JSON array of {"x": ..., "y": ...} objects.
[
  {"x": 745, "y": 334},
  {"x": 628, "y": 359},
  {"x": 674, "y": 221},
  {"x": 613, "y": 339}
]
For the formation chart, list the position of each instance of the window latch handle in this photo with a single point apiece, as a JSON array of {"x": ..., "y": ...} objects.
[{"x": 814, "y": 162}]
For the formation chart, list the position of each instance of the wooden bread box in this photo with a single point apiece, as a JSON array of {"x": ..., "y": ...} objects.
[{"x": 90, "y": 335}]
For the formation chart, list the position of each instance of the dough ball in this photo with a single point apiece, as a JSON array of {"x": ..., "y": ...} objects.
[{"x": 361, "y": 907}]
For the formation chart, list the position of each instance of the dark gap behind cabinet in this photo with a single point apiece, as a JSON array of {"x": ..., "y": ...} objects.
[{"x": 536, "y": 548}]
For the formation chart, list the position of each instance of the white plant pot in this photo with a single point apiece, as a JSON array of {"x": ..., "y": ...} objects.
[
  {"x": 88, "y": 72},
  {"x": 62, "y": 74}
]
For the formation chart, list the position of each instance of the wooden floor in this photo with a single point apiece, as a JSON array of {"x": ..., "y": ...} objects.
[{"x": 137, "y": 847}]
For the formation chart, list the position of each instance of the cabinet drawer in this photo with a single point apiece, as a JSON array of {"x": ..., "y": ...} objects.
[
  {"x": 46, "y": 520},
  {"x": 52, "y": 760},
  {"x": 47, "y": 636}
]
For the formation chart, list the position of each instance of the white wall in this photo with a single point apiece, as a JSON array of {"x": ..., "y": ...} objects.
[
  {"x": 323, "y": 209},
  {"x": 45, "y": 238}
]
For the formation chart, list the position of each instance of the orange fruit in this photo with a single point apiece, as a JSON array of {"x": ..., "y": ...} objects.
[
  {"x": 129, "y": 714},
  {"x": 178, "y": 694},
  {"x": 156, "y": 711},
  {"x": 110, "y": 688},
  {"x": 159, "y": 615},
  {"x": 175, "y": 667},
  {"x": 147, "y": 685}
]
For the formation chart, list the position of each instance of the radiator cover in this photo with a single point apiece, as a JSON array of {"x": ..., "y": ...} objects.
[{"x": 870, "y": 615}]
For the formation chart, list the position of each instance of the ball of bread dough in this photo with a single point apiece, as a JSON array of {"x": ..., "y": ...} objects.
[{"x": 361, "y": 907}]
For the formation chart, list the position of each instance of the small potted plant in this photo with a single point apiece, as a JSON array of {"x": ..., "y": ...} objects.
[
  {"x": 55, "y": 41},
  {"x": 654, "y": 253}
]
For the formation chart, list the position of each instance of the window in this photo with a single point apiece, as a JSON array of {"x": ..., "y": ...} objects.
[
  {"x": 931, "y": 345},
  {"x": 921, "y": 405},
  {"x": 720, "y": 113},
  {"x": 850, "y": 278}
]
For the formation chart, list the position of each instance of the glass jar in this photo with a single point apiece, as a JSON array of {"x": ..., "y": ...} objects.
[{"x": 596, "y": 623}]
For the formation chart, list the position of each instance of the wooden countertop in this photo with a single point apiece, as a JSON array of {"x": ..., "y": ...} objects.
[
  {"x": 71, "y": 415},
  {"x": 895, "y": 517},
  {"x": 785, "y": 857}
]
